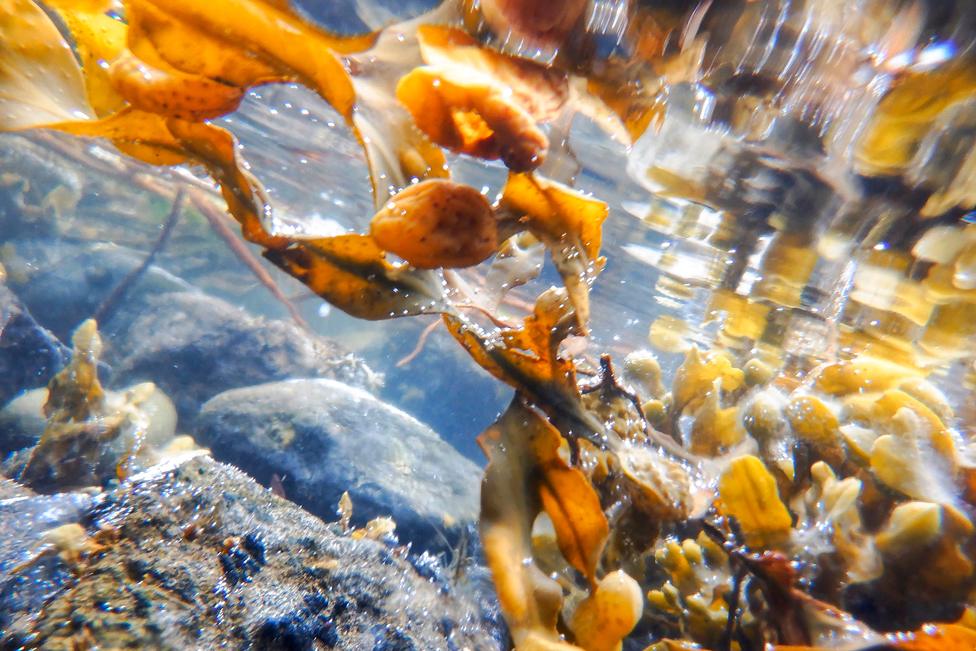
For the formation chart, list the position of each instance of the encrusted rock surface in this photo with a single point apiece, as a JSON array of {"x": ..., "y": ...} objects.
[
  {"x": 323, "y": 437},
  {"x": 196, "y": 555},
  {"x": 24, "y": 517}
]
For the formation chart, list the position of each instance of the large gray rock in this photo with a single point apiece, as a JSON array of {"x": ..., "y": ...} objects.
[
  {"x": 198, "y": 556},
  {"x": 195, "y": 346},
  {"x": 323, "y": 437}
]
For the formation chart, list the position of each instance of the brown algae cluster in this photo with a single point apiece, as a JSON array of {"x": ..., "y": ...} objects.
[
  {"x": 93, "y": 435},
  {"x": 746, "y": 508}
]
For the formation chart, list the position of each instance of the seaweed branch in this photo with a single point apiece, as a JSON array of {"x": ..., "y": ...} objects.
[
  {"x": 218, "y": 222},
  {"x": 105, "y": 311}
]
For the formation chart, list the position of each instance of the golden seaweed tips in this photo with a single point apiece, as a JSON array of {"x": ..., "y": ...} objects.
[{"x": 748, "y": 493}]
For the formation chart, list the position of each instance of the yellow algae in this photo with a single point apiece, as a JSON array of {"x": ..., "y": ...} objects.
[
  {"x": 643, "y": 369},
  {"x": 941, "y": 244},
  {"x": 905, "y": 460},
  {"x": 757, "y": 372},
  {"x": 659, "y": 487},
  {"x": 814, "y": 422},
  {"x": 929, "y": 395},
  {"x": 375, "y": 529},
  {"x": 655, "y": 411},
  {"x": 716, "y": 429},
  {"x": 787, "y": 265},
  {"x": 830, "y": 522},
  {"x": 580, "y": 482},
  {"x": 861, "y": 375},
  {"x": 907, "y": 113},
  {"x": 669, "y": 334},
  {"x": 964, "y": 269},
  {"x": 674, "y": 557},
  {"x": 749, "y": 494},
  {"x": 696, "y": 375},
  {"x": 763, "y": 416},
  {"x": 602, "y": 620},
  {"x": 696, "y": 589},
  {"x": 859, "y": 441},
  {"x": 887, "y": 406},
  {"x": 911, "y": 525},
  {"x": 743, "y": 318},
  {"x": 949, "y": 332}
]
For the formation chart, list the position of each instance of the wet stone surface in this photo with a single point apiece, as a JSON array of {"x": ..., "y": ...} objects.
[
  {"x": 322, "y": 438},
  {"x": 24, "y": 517},
  {"x": 198, "y": 556}
]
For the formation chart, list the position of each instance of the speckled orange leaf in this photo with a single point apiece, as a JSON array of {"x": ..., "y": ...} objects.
[
  {"x": 160, "y": 38},
  {"x": 473, "y": 116},
  {"x": 216, "y": 149},
  {"x": 40, "y": 80},
  {"x": 162, "y": 141},
  {"x": 170, "y": 92},
  {"x": 528, "y": 357},
  {"x": 437, "y": 223},
  {"x": 272, "y": 34},
  {"x": 569, "y": 223},
  {"x": 541, "y": 91},
  {"x": 636, "y": 110},
  {"x": 351, "y": 273},
  {"x": 396, "y": 150},
  {"x": 98, "y": 40},
  {"x": 142, "y": 135}
]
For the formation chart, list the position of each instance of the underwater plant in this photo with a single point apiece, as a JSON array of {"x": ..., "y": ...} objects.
[{"x": 742, "y": 509}]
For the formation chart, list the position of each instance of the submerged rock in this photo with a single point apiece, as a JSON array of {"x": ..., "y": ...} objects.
[
  {"x": 323, "y": 437},
  {"x": 22, "y": 421},
  {"x": 198, "y": 556},
  {"x": 24, "y": 517},
  {"x": 64, "y": 283},
  {"x": 29, "y": 354},
  {"x": 195, "y": 346}
]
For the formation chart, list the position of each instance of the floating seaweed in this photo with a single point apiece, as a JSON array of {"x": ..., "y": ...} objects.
[{"x": 756, "y": 504}]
